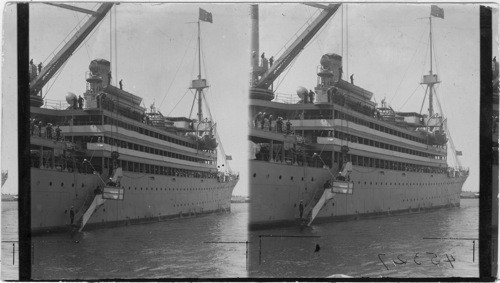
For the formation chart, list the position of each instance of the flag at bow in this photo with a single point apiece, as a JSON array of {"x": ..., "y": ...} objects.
[
  {"x": 459, "y": 153},
  {"x": 205, "y": 16},
  {"x": 437, "y": 12},
  {"x": 229, "y": 157}
]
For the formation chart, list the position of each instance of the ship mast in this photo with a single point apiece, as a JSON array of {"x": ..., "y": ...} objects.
[
  {"x": 431, "y": 79},
  {"x": 199, "y": 84},
  {"x": 431, "y": 86}
]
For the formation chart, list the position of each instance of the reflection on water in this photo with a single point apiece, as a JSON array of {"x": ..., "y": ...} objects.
[
  {"x": 371, "y": 247},
  {"x": 176, "y": 248}
]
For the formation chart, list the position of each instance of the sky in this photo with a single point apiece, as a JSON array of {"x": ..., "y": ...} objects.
[
  {"x": 385, "y": 46},
  {"x": 155, "y": 55}
]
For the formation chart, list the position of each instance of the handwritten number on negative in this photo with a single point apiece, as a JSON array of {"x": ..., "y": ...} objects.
[
  {"x": 450, "y": 261},
  {"x": 382, "y": 260},
  {"x": 415, "y": 259},
  {"x": 401, "y": 261},
  {"x": 435, "y": 256}
]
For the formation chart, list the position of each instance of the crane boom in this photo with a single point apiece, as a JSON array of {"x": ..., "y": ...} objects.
[
  {"x": 282, "y": 63},
  {"x": 67, "y": 50}
]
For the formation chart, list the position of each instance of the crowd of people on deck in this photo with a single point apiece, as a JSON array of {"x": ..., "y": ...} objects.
[
  {"x": 36, "y": 129},
  {"x": 266, "y": 121}
]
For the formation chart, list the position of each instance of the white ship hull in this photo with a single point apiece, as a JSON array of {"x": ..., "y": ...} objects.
[
  {"x": 275, "y": 196},
  {"x": 147, "y": 198}
]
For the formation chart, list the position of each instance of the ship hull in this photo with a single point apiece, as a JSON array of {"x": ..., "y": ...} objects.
[
  {"x": 147, "y": 198},
  {"x": 277, "y": 189}
]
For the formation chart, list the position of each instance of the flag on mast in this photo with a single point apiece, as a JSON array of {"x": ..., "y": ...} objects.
[
  {"x": 458, "y": 152},
  {"x": 437, "y": 12},
  {"x": 205, "y": 16}
]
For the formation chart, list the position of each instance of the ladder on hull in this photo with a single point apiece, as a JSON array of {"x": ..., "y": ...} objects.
[{"x": 321, "y": 197}]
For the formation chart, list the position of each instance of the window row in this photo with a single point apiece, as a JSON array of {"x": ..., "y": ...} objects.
[
  {"x": 137, "y": 147},
  {"x": 141, "y": 130},
  {"x": 387, "y": 164}
]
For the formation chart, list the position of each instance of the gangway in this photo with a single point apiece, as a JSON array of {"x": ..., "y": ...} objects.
[
  {"x": 341, "y": 185},
  {"x": 94, "y": 205},
  {"x": 111, "y": 191},
  {"x": 337, "y": 187}
]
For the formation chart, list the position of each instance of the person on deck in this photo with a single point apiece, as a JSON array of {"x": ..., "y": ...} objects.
[
  {"x": 32, "y": 126},
  {"x": 80, "y": 102},
  {"x": 72, "y": 215},
  {"x": 271, "y": 61},
  {"x": 262, "y": 121},
  {"x": 288, "y": 127},
  {"x": 48, "y": 130},
  {"x": 75, "y": 103},
  {"x": 327, "y": 185},
  {"x": 301, "y": 208},
  {"x": 352, "y": 79},
  {"x": 121, "y": 83},
  {"x": 58, "y": 133},
  {"x": 40, "y": 125},
  {"x": 311, "y": 96}
]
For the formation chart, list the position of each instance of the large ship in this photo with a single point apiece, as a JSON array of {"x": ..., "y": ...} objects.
[
  {"x": 333, "y": 153},
  {"x": 103, "y": 159}
]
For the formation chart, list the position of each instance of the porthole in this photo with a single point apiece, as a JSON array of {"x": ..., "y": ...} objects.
[
  {"x": 50, "y": 184},
  {"x": 312, "y": 179},
  {"x": 72, "y": 185},
  {"x": 62, "y": 184},
  {"x": 302, "y": 178},
  {"x": 279, "y": 177},
  {"x": 254, "y": 175},
  {"x": 291, "y": 178},
  {"x": 83, "y": 185}
]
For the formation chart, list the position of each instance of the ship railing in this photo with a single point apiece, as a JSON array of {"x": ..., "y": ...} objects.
[
  {"x": 273, "y": 128},
  {"x": 55, "y": 104},
  {"x": 286, "y": 98}
]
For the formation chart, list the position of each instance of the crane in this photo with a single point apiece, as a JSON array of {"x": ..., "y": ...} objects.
[
  {"x": 296, "y": 47},
  {"x": 67, "y": 50}
]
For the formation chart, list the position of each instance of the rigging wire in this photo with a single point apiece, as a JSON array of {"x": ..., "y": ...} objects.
[
  {"x": 423, "y": 101},
  {"x": 175, "y": 75},
  {"x": 70, "y": 33},
  {"x": 401, "y": 107},
  {"x": 295, "y": 35},
  {"x": 75, "y": 15},
  {"x": 407, "y": 68},
  {"x": 296, "y": 57},
  {"x": 177, "y": 103},
  {"x": 54, "y": 80}
]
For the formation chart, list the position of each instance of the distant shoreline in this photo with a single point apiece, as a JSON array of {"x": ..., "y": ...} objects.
[{"x": 9, "y": 197}]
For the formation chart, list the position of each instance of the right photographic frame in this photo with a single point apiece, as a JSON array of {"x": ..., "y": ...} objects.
[{"x": 366, "y": 132}]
